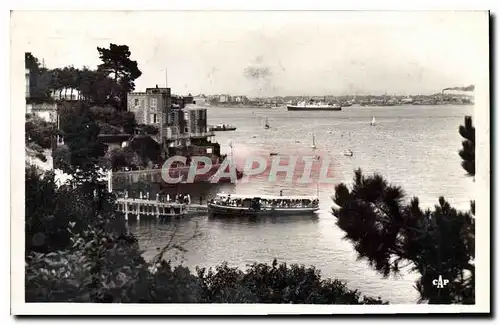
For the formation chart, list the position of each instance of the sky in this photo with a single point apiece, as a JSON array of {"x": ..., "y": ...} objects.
[{"x": 270, "y": 53}]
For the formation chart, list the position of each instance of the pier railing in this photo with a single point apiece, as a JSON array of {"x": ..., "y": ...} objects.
[
  {"x": 156, "y": 209},
  {"x": 188, "y": 135}
]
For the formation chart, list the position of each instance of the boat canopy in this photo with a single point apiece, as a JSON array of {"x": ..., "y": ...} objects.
[{"x": 266, "y": 197}]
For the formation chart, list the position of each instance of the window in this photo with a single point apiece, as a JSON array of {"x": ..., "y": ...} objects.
[
  {"x": 152, "y": 118},
  {"x": 153, "y": 102},
  {"x": 136, "y": 102}
]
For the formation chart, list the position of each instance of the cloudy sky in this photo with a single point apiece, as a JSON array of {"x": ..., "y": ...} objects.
[{"x": 270, "y": 53}]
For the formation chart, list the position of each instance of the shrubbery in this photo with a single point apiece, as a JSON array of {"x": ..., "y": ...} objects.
[
  {"x": 61, "y": 156},
  {"x": 77, "y": 251},
  {"x": 101, "y": 267},
  {"x": 148, "y": 129},
  {"x": 40, "y": 132}
]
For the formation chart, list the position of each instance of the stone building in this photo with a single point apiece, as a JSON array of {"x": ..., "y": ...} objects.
[
  {"x": 152, "y": 108},
  {"x": 181, "y": 123}
]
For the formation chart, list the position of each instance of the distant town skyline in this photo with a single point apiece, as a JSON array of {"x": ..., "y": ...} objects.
[{"x": 264, "y": 54}]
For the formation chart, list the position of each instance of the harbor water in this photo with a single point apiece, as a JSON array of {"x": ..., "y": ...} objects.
[{"x": 415, "y": 147}]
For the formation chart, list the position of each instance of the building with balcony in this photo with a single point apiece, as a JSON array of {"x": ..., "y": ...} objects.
[
  {"x": 181, "y": 124},
  {"x": 188, "y": 123},
  {"x": 65, "y": 94}
]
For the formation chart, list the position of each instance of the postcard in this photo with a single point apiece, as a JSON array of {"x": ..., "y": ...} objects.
[{"x": 250, "y": 162}]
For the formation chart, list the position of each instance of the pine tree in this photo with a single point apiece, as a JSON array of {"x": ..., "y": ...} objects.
[
  {"x": 388, "y": 232},
  {"x": 80, "y": 132},
  {"x": 468, "y": 152},
  {"x": 118, "y": 65},
  {"x": 39, "y": 79}
]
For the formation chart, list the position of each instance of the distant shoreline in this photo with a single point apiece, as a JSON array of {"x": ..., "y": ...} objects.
[
  {"x": 244, "y": 106},
  {"x": 356, "y": 105}
]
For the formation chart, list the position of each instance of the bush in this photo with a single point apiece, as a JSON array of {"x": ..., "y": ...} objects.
[
  {"x": 35, "y": 150},
  {"x": 108, "y": 270},
  {"x": 124, "y": 121},
  {"x": 40, "y": 132},
  {"x": 62, "y": 158},
  {"x": 50, "y": 210},
  {"x": 147, "y": 149},
  {"x": 148, "y": 129},
  {"x": 121, "y": 157},
  {"x": 109, "y": 129},
  {"x": 263, "y": 283}
]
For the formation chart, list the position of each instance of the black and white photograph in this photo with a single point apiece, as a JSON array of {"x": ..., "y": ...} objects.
[{"x": 250, "y": 162}]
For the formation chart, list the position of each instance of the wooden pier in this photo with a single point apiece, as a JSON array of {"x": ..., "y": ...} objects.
[{"x": 140, "y": 208}]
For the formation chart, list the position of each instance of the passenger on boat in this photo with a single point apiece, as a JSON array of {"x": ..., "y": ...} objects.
[{"x": 264, "y": 203}]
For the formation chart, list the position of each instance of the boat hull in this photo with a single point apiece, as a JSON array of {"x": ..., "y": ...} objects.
[
  {"x": 230, "y": 211},
  {"x": 222, "y": 129},
  {"x": 311, "y": 108}
]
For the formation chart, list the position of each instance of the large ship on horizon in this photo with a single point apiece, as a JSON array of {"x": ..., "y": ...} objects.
[{"x": 314, "y": 106}]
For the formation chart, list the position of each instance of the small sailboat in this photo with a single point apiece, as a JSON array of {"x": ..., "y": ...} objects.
[
  {"x": 373, "y": 121},
  {"x": 348, "y": 153},
  {"x": 314, "y": 143},
  {"x": 267, "y": 126}
]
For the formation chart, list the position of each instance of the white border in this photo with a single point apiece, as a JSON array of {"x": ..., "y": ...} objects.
[
  {"x": 235, "y": 309},
  {"x": 17, "y": 241}
]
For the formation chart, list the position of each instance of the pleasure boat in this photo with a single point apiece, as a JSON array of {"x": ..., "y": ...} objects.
[{"x": 262, "y": 205}]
